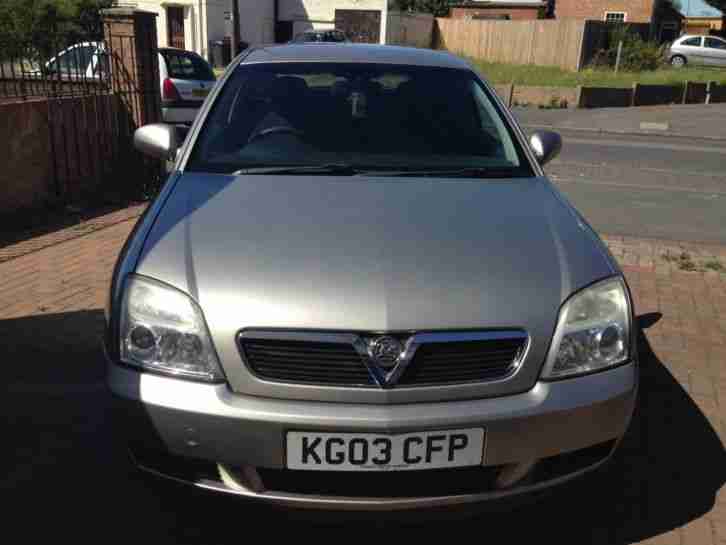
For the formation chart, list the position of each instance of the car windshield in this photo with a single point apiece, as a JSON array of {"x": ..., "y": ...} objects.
[
  {"x": 184, "y": 65},
  {"x": 365, "y": 117}
]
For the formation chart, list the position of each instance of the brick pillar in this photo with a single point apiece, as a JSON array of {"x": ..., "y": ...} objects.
[{"x": 131, "y": 42}]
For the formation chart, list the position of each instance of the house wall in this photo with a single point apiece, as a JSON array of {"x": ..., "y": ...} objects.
[
  {"x": 204, "y": 21},
  {"x": 515, "y": 13},
  {"x": 638, "y": 11},
  {"x": 321, "y": 13},
  {"x": 256, "y": 17},
  {"x": 706, "y": 23}
]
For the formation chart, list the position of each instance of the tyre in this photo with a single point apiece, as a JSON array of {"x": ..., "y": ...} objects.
[{"x": 678, "y": 61}]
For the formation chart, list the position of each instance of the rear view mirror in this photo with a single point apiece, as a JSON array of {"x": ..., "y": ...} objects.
[
  {"x": 157, "y": 140},
  {"x": 546, "y": 145}
]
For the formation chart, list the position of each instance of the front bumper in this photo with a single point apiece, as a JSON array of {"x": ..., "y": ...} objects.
[{"x": 240, "y": 434}]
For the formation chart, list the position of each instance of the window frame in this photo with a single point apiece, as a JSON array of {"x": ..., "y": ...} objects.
[{"x": 615, "y": 21}]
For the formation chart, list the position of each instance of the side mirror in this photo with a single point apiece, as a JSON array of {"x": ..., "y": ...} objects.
[
  {"x": 546, "y": 145},
  {"x": 157, "y": 140}
]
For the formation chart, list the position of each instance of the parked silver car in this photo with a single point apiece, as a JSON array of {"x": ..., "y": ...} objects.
[
  {"x": 706, "y": 50},
  {"x": 358, "y": 290}
]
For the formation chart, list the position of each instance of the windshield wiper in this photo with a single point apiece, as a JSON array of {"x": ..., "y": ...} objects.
[
  {"x": 465, "y": 172},
  {"x": 336, "y": 169}
]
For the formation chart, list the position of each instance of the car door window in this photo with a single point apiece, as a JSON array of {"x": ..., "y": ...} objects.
[
  {"x": 693, "y": 42},
  {"x": 715, "y": 43}
]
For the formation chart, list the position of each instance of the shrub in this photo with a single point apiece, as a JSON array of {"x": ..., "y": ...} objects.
[{"x": 637, "y": 54}]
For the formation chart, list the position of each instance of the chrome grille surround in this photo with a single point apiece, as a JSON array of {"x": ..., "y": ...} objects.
[{"x": 345, "y": 359}]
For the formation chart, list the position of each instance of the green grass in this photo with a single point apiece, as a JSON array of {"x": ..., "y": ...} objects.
[{"x": 557, "y": 77}]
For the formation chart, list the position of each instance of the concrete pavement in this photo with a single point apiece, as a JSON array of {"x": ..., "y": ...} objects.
[
  {"x": 66, "y": 475},
  {"x": 642, "y": 183},
  {"x": 692, "y": 121}
]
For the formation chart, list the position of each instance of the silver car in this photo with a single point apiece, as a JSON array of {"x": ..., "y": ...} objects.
[
  {"x": 358, "y": 290},
  {"x": 706, "y": 50}
]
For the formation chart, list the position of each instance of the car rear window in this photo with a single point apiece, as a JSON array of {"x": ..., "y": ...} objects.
[{"x": 183, "y": 65}]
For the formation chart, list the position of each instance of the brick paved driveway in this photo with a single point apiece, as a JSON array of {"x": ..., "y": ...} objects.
[{"x": 66, "y": 475}]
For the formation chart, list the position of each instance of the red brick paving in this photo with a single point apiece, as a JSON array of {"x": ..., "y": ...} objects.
[
  {"x": 36, "y": 243},
  {"x": 69, "y": 273}
]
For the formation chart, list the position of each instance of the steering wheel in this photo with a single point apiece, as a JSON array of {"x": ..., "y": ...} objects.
[{"x": 280, "y": 129}]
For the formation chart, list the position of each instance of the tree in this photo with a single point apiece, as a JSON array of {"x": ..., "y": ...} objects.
[
  {"x": 718, "y": 4},
  {"x": 439, "y": 8},
  {"x": 681, "y": 4},
  {"x": 29, "y": 20},
  {"x": 38, "y": 29}
]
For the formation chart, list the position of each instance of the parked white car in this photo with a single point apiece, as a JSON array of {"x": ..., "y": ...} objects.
[
  {"x": 707, "y": 50},
  {"x": 185, "y": 77},
  {"x": 81, "y": 61}
]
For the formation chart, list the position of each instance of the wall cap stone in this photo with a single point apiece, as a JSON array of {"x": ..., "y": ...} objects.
[{"x": 126, "y": 12}]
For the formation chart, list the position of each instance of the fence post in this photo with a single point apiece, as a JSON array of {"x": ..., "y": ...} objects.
[
  {"x": 709, "y": 86},
  {"x": 617, "y": 59},
  {"x": 634, "y": 100},
  {"x": 130, "y": 36},
  {"x": 579, "y": 97},
  {"x": 686, "y": 94}
]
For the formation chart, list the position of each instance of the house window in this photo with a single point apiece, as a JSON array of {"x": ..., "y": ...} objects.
[{"x": 615, "y": 16}]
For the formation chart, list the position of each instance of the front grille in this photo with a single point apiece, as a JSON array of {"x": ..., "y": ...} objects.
[
  {"x": 306, "y": 362},
  {"x": 341, "y": 359},
  {"x": 465, "y": 361},
  {"x": 385, "y": 484}
]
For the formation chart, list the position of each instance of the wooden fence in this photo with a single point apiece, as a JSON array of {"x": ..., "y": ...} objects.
[
  {"x": 568, "y": 43},
  {"x": 546, "y": 43}
]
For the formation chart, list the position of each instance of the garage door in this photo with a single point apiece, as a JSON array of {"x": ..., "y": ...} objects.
[{"x": 362, "y": 26}]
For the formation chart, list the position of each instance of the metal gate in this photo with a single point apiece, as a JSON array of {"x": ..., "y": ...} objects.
[
  {"x": 361, "y": 26},
  {"x": 90, "y": 118}
]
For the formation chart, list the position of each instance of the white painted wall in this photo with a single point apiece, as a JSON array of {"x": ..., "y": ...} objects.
[
  {"x": 256, "y": 21},
  {"x": 308, "y": 14},
  {"x": 203, "y": 20}
]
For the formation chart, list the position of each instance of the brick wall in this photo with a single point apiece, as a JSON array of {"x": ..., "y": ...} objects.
[
  {"x": 638, "y": 11},
  {"x": 515, "y": 13},
  {"x": 25, "y": 179}
]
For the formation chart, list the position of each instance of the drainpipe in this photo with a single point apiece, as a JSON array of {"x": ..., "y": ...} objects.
[
  {"x": 275, "y": 15},
  {"x": 235, "y": 29},
  {"x": 202, "y": 34}
]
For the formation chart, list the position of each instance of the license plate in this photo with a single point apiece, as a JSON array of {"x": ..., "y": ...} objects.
[
  {"x": 375, "y": 452},
  {"x": 200, "y": 92}
]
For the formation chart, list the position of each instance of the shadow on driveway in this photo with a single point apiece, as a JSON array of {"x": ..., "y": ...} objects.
[{"x": 67, "y": 476}]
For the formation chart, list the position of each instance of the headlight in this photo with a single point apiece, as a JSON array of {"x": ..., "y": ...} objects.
[
  {"x": 593, "y": 331},
  {"x": 163, "y": 330}
]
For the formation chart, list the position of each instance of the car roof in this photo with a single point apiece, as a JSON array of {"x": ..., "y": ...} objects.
[
  {"x": 176, "y": 50},
  {"x": 354, "y": 53}
]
